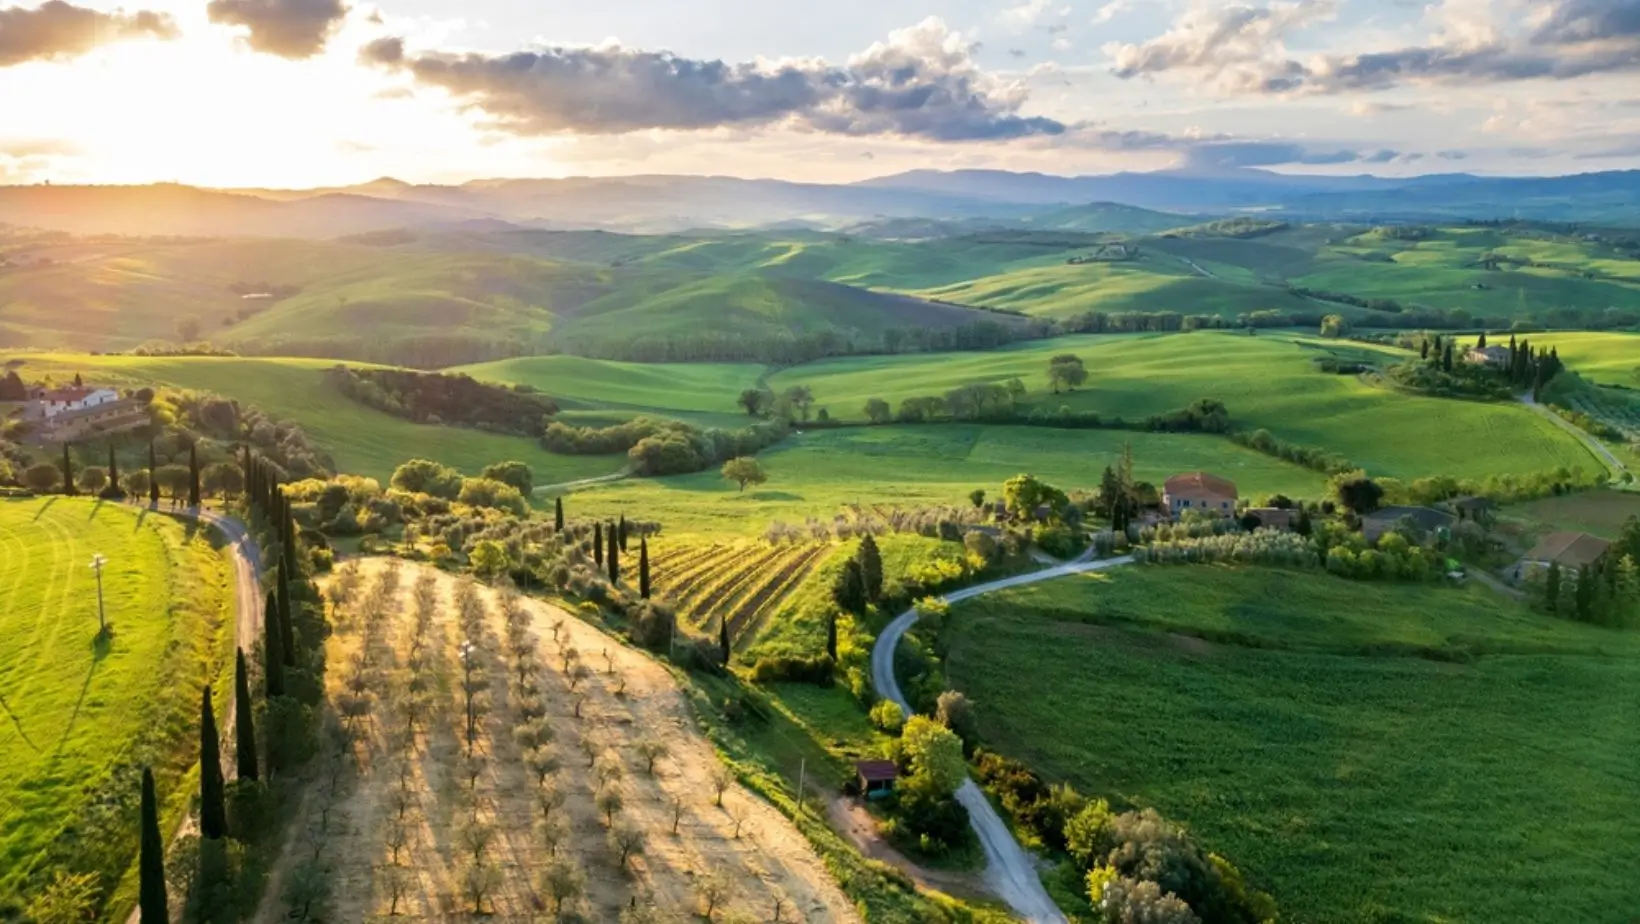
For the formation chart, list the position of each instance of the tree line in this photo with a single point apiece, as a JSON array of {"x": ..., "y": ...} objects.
[{"x": 439, "y": 398}]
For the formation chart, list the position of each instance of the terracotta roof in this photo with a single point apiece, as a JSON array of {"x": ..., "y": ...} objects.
[
  {"x": 1569, "y": 550},
  {"x": 877, "y": 771},
  {"x": 67, "y": 394},
  {"x": 1200, "y": 483}
]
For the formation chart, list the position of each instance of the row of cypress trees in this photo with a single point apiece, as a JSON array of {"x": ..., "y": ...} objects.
[{"x": 281, "y": 654}]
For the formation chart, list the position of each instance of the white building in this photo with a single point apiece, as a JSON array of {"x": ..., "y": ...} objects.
[{"x": 46, "y": 404}]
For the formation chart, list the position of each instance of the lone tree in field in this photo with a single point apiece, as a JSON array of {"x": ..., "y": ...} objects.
[
  {"x": 724, "y": 648},
  {"x": 744, "y": 470},
  {"x": 598, "y": 544},
  {"x": 1066, "y": 371},
  {"x": 213, "y": 806},
  {"x": 42, "y": 478},
  {"x": 754, "y": 400},
  {"x": 244, "y": 723},
  {"x": 871, "y": 567},
  {"x": 273, "y": 653},
  {"x": 151, "y": 864},
  {"x": 68, "y": 474},
  {"x": 850, "y": 590},
  {"x": 558, "y": 515},
  {"x": 643, "y": 567}
]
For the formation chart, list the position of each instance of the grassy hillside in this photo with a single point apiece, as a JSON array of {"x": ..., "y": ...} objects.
[
  {"x": 1604, "y": 358},
  {"x": 81, "y": 715},
  {"x": 691, "y": 388},
  {"x": 816, "y": 473},
  {"x": 1269, "y": 711},
  {"x": 1268, "y": 381},
  {"x": 1110, "y": 216},
  {"x": 362, "y": 440}
]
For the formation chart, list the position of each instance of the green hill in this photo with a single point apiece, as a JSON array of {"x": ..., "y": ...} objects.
[{"x": 1110, "y": 216}]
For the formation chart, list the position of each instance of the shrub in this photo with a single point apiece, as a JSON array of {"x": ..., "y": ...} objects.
[
  {"x": 888, "y": 716},
  {"x": 819, "y": 671}
]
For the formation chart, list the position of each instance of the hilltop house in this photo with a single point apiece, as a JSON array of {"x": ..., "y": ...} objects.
[
  {"x": 1384, "y": 520},
  {"x": 1273, "y": 517},
  {"x": 46, "y": 403},
  {"x": 1199, "y": 491},
  {"x": 1488, "y": 356},
  {"x": 1571, "y": 551}
]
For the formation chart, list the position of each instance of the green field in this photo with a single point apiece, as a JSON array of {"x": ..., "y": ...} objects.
[
  {"x": 1268, "y": 381},
  {"x": 1603, "y": 358},
  {"x": 82, "y": 716},
  {"x": 1330, "y": 737},
  {"x": 816, "y": 473},
  {"x": 362, "y": 440},
  {"x": 1601, "y": 513},
  {"x": 680, "y": 388}
]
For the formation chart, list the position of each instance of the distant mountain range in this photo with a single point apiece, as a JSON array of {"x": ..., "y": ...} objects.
[{"x": 964, "y": 198}]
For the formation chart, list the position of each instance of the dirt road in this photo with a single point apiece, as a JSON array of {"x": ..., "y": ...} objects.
[{"x": 1009, "y": 870}]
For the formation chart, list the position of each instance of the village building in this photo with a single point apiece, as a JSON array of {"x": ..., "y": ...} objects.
[
  {"x": 1199, "y": 491},
  {"x": 1571, "y": 551},
  {"x": 1384, "y": 520},
  {"x": 1488, "y": 356},
  {"x": 46, "y": 403}
]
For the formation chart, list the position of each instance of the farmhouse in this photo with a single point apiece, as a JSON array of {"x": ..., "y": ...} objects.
[
  {"x": 46, "y": 403},
  {"x": 1571, "y": 551},
  {"x": 1488, "y": 356},
  {"x": 1199, "y": 491},
  {"x": 1374, "y": 525}
]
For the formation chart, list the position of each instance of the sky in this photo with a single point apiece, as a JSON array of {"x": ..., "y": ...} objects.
[{"x": 305, "y": 93}]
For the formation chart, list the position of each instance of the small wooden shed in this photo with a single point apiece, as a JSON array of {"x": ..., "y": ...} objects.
[{"x": 876, "y": 777}]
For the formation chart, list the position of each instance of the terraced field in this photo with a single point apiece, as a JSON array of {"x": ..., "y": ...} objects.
[{"x": 737, "y": 583}]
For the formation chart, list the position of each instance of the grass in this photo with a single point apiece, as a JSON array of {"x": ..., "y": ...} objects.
[
  {"x": 1268, "y": 381},
  {"x": 816, "y": 473},
  {"x": 1601, "y": 513},
  {"x": 1355, "y": 782},
  {"x": 692, "y": 389},
  {"x": 1608, "y": 358},
  {"x": 360, "y": 439},
  {"x": 81, "y": 716}
]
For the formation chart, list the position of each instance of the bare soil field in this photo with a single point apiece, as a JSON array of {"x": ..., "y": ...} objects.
[{"x": 496, "y": 756}]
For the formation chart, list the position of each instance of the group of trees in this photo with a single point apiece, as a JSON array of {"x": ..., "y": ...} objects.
[
  {"x": 655, "y": 446},
  {"x": 1606, "y": 592},
  {"x": 501, "y": 486},
  {"x": 793, "y": 348},
  {"x": 794, "y": 404},
  {"x": 458, "y": 400},
  {"x": 1066, "y": 371}
]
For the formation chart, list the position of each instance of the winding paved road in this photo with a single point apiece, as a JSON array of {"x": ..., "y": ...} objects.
[{"x": 1009, "y": 870}]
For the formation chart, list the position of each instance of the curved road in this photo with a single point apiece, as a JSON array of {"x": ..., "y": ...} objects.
[{"x": 1009, "y": 870}]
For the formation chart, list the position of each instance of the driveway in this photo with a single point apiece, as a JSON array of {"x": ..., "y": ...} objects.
[{"x": 1010, "y": 872}]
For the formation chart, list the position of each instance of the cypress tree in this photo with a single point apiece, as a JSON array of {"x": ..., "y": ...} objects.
[
  {"x": 1551, "y": 586},
  {"x": 1583, "y": 594},
  {"x": 213, "y": 806},
  {"x": 273, "y": 654},
  {"x": 1480, "y": 344},
  {"x": 153, "y": 483},
  {"x": 193, "y": 476},
  {"x": 287, "y": 630},
  {"x": 598, "y": 543},
  {"x": 558, "y": 515},
  {"x": 871, "y": 567},
  {"x": 643, "y": 567},
  {"x": 723, "y": 640},
  {"x": 113, "y": 474},
  {"x": 831, "y": 636},
  {"x": 1446, "y": 359},
  {"x": 622, "y": 530},
  {"x": 151, "y": 864},
  {"x": 244, "y": 721},
  {"x": 1424, "y": 350},
  {"x": 614, "y": 556},
  {"x": 68, "y": 474}
]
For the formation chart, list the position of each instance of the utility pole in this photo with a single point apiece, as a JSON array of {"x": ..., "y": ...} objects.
[{"x": 97, "y": 562}]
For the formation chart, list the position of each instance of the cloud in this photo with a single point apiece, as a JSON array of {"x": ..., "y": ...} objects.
[
  {"x": 1024, "y": 15},
  {"x": 922, "y": 82},
  {"x": 287, "y": 28},
  {"x": 57, "y": 30},
  {"x": 18, "y": 148},
  {"x": 1111, "y": 10},
  {"x": 1214, "y": 39},
  {"x": 1242, "y": 46},
  {"x": 1230, "y": 154}
]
